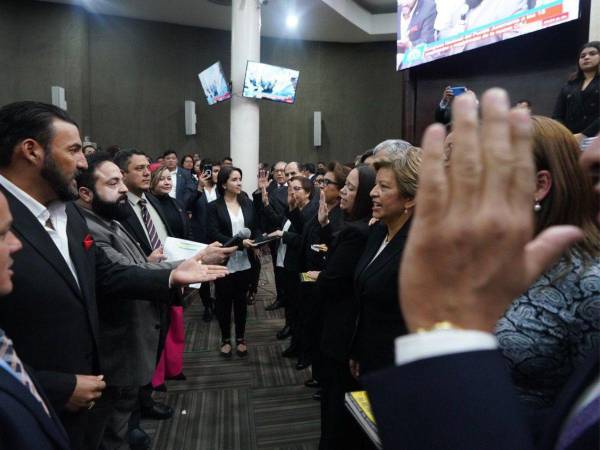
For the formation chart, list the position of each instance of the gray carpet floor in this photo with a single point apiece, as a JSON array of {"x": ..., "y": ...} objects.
[{"x": 255, "y": 403}]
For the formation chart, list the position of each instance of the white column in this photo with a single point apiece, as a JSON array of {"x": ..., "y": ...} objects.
[
  {"x": 245, "y": 114},
  {"x": 594, "y": 21}
]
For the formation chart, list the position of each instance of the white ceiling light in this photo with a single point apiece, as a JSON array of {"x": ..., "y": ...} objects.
[{"x": 291, "y": 21}]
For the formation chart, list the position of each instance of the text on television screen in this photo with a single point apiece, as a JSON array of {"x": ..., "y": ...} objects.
[{"x": 433, "y": 29}]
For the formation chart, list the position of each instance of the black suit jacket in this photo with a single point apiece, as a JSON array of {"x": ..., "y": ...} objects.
[
  {"x": 199, "y": 222},
  {"x": 219, "y": 223},
  {"x": 466, "y": 401},
  {"x": 186, "y": 187},
  {"x": 136, "y": 227},
  {"x": 336, "y": 289},
  {"x": 421, "y": 24},
  {"x": 52, "y": 321},
  {"x": 24, "y": 424},
  {"x": 376, "y": 284}
]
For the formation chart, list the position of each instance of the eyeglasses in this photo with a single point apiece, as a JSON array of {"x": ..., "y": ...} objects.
[{"x": 327, "y": 182}]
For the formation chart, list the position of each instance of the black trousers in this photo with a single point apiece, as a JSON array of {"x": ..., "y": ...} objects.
[
  {"x": 110, "y": 416},
  {"x": 339, "y": 430},
  {"x": 205, "y": 295},
  {"x": 290, "y": 291},
  {"x": 80, "y": 429},
  {"x": 310, "y": 324},
  {"x": 231, "y": 291}
]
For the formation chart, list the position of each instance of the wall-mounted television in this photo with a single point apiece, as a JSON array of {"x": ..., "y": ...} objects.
[
  {"x": 215, "y": 86},
  {"x": 270, "y": 82},
  {"x": 433, "y": 29}
]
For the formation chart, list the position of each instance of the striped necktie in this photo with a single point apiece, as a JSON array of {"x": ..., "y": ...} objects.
[
  {"x": 8, "y": 354},
  {"x": 152, "y": 234}
]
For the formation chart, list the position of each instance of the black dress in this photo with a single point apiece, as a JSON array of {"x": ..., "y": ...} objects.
[{"x": 579, "y": 110}]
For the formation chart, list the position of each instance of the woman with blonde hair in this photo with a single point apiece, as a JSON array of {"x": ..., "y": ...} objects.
[
  {"x": 554, "y": 325},
  {"x": 380, "y": 320}
]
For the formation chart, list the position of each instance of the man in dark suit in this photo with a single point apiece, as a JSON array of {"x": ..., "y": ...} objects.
[
  {"x": 51, "y": 314},
  {"x": 27, "y": 419},
  {"x": 416, "y": 23},
  {"x": 273, "y": 193},
  {"x": 469, "y": 254},
  {"x": 184, "y": 186}
]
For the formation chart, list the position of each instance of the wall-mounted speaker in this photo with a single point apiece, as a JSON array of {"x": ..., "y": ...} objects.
[
  {"x": 190, "y": 117},
  {"x": 317, "y": 128},
  {"x": 58, "y": 97}
]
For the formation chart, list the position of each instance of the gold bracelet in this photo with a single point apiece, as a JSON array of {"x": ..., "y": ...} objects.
[{"x": 444, "y": 325}]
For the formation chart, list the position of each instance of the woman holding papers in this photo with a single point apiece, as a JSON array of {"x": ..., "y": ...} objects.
[
  {"x": 170, "y": 365},
  {"x": 228, "y": 216}
]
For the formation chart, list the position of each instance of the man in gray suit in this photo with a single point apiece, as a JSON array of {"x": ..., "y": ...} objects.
[{"x": 129, "y": 330}]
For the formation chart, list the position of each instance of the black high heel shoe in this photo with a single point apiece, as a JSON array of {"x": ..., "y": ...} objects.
[
  {"x": 241, "y": 352},
  {"x": 226, "y": 349}
]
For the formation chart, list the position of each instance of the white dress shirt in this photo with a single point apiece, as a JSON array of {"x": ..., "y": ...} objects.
[
  {"x": 282, "y": 249},
  {"x": 56, "y": 212},
  {"x": 238, "y": 261},
  {"x": 159, "y": 225},
  {"x": 211, "y": 193},
  {"x": 173, "y": 192}
]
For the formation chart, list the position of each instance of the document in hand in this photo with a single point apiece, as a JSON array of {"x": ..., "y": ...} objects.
[
  {"x": 180, "y": 249},
  {"x": 358, "y": 404}
]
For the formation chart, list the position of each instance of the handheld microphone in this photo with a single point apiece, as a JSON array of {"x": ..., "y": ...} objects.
[{"x": 236, "y": 240}]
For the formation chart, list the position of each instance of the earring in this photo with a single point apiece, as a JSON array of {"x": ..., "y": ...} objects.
[
  {"x": 405, "y": 210},
  {"x": 536, "y": 206}
]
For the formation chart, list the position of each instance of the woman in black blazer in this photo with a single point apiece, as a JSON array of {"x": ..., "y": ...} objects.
[
  {"x": 578, "y": 104},
  {"x": 376, "y": 278},
  {"x": 175, "y": 215},
  {"x": 227, "y": 215},
  {"x": 335, "y": 288}
]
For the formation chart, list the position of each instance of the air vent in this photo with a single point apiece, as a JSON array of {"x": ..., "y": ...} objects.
[{"x": 220, "y": 2}]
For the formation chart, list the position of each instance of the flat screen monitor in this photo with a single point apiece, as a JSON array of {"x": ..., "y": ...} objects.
[
  {"x": 433, "y": 29},
  {"x": 214, "y": 84},
  {"x": 270, "y": 82}
]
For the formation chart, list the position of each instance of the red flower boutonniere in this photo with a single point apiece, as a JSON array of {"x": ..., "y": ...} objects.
[{"x": 88, "y": 241}]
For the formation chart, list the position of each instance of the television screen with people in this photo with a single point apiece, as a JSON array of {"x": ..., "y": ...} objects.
[
  {"x": 214, "y": 84},
  {"x": 433, "y": 29},
  {"x": 270, "y": 82}
]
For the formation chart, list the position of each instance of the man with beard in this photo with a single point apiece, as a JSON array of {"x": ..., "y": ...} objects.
[
  {"x": 129, "y": 330},
  {"x": 51, "y": 313}
]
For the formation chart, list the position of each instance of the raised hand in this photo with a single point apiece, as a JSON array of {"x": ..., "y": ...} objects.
[
  {"x": 470, "y": 251},
  {"x": 323, "y": 214}
]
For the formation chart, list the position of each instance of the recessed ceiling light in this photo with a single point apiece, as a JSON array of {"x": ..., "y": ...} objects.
[{"x": 291, "y": 21}]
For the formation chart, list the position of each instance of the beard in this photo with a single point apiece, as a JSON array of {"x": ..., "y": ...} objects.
[
  {"x": 65, "y": 189},
  {"x": 111, "y": 210}
]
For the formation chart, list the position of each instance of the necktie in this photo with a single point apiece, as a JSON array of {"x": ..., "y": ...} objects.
[
  {"x": 8, "y": 354},
  {"x": 578, "y": 424},
  {"x": 152, "y": 234}
]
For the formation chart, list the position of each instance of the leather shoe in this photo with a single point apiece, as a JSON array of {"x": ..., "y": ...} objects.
[
  {"x": 317, "y": 396},
  {"x": 273, "y": 306},
  {"x": 290, "y": 352},
  {"x": 180, "y": 377},
  {"x": 138, "y": 439},
  {"x": 158, "y": 411},
  {"x": 284, "y": 333},
  {"x": 312, "y": 383},
  {"x": 301, "y": 365}
]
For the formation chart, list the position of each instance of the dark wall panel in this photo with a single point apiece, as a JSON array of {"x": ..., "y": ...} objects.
[{"x": 43, "y": 45}]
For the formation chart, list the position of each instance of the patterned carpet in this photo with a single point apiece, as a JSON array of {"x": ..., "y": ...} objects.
[{"x": 255, "y": 403}]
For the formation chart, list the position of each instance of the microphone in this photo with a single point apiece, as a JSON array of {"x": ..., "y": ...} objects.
[{"x": 236, "y": 240}]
